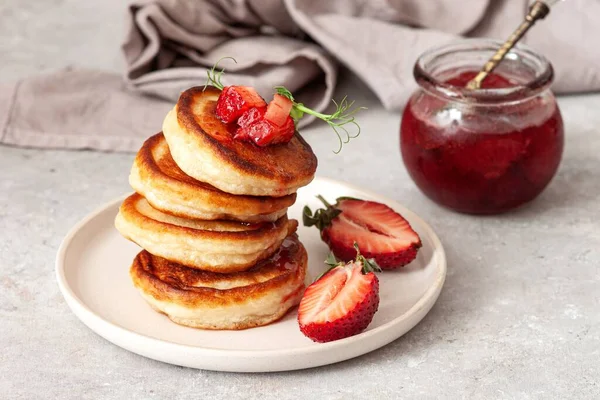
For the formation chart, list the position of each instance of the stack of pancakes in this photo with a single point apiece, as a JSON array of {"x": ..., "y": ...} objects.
[{"x": 210, "y": 213}]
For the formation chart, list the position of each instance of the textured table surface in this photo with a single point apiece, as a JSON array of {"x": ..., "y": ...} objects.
[{"x": 518, "y": 317}]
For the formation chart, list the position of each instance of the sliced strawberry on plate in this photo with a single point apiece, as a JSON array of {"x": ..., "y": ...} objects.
[
  {"x": 381, "y": 233},
  {"x": 342, "y": 302},
  {"x": 235, "y": 100}
]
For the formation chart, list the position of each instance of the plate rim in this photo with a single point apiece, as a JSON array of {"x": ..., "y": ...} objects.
[{"x": 87, "y": 316}]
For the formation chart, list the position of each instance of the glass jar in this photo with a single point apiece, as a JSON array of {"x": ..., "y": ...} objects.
[{"x": 487, "y": 150}]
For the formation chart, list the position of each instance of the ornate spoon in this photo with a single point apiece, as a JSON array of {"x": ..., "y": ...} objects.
[{"x": 538, "y": 10}]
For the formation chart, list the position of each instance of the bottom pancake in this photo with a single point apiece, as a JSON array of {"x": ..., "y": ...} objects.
[{"x": 207, "y": 300}]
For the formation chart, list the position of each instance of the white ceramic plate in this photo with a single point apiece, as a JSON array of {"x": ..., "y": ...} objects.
[{"x": 92, "y": 269}]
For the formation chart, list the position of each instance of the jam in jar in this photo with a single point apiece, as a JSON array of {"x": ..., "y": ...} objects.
[{"x": 486, "y": 150}]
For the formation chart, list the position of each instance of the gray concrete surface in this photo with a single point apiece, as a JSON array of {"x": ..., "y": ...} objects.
[{"x": 518, "y": 317}]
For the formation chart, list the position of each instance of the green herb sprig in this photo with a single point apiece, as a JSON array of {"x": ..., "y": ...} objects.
[
  {"x": 342, "y": 116},
  {"x": 214, "y": 75}
]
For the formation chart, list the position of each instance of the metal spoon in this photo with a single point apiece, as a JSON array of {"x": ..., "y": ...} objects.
[{"x": 538, "y": 10}]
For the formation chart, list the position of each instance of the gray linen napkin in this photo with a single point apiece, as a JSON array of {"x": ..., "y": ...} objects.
[{"x": 295, "y": 43}]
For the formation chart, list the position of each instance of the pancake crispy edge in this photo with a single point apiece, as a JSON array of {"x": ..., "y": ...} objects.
[
  {"x": 257, "y": 297},
  {"x": 218, "y": 246},
  {"x": 156, "y": 176}
]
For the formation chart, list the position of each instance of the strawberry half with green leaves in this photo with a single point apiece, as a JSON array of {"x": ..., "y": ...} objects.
[
  {"x": 342, "y": 302},
  {"x": 381, "y": 233}
]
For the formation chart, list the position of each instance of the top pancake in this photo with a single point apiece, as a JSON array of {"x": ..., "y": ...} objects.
[
  {"x": 204, "y": 148},
  {"x": 155, "y": 176}
]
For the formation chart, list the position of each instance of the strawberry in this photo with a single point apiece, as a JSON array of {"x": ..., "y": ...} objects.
[
  {"x": 278, "y": 110},
  {"x": 235, "y": 100},
  {"x": 251, "y": 116},
  {"x": 264, "y": 133},
  {"x": 254, "y": 126},
  {"x": 342, "y": 302},
  {"x": 278, "y": 124},
  {"x": 381, "y": 233}
]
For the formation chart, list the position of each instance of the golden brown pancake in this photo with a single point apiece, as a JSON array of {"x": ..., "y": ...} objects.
[
  {"x": 207, "y": 300},
  {"x": 218, "y": 246},
  {"x": 204, "y": 148},
  {"x": 155, "y": 176}
]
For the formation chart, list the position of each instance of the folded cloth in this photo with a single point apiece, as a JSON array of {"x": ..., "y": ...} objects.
[
  {"x": 296, "y": 43},
  {"x": 80, "y": 109}
]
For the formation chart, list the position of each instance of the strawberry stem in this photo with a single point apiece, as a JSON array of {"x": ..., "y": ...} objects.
[
  {"x": 322, "y": 217},
  {"x": 324, "y": 201},
  {"x": 369, "y": 264},
  {"x": 332, "y": 262}
]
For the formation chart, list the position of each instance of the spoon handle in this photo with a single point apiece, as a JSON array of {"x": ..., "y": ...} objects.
[{"x": 537, "y": 11}]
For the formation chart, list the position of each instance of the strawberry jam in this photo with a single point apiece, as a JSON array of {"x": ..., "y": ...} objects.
[{"x": 483, "y": 154}]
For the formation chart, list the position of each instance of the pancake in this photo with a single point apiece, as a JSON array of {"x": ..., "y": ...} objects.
[
  {"x": 218, "y": 246},
  {"x": 204, "y": 148},
  {"x": 207, "y": 300},
  {"x": 155, "y": 176}
]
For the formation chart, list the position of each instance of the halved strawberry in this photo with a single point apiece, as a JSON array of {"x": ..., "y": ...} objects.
[
  {"x": 235, "y": 100},
  {"x": 278, "y": 110},
  {"x": 341, "y": 303},
  {"x": 381, "y": 233}
]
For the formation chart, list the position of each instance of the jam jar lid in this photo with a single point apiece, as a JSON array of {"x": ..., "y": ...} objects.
[{"x": 531, "y": 72}]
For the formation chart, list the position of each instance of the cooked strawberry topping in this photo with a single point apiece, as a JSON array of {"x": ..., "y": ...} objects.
[
  {"x": 251, "y": 116},
  {"x": 235, "y": 100},
  {"x": 265, "y": 133},
  {"x": 281, "y": 115},
  {"x": 278, "y": 110}
]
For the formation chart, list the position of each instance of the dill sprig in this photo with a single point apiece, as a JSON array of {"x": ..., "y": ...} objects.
[
  {"x": 214, "y": 75},
  {"x": 342, "y": 116}
]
